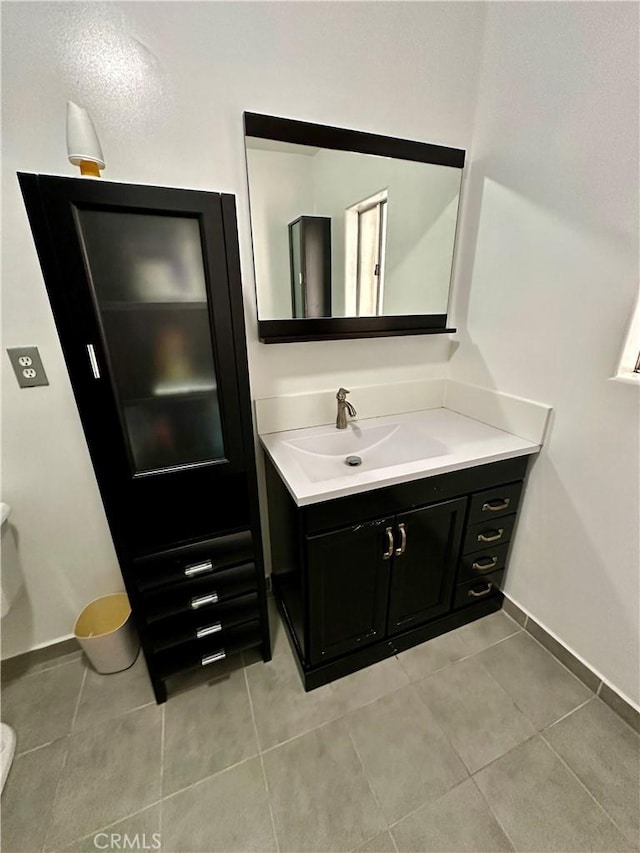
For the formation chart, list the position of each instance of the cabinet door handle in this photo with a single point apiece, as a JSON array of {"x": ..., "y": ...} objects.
[
  {"x": 475, "y": 594},
  {"x": 208, "y": 630},
  {"x": 198, "y": 568},
  {"x": 484, "y": 564},
  {"x": 389, "y": 552},
  {"x": 403, "y": 541},
  {"x": 492, "y": 506},
  {"x": 93, "y": 361},
  {"x": 221, "y": 655},
  {"x": 498, "y": 534},
  {"x": 203, "y": 600}
]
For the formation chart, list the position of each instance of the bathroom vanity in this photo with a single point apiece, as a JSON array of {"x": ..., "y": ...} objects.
[{"x": 369, "y": 561}]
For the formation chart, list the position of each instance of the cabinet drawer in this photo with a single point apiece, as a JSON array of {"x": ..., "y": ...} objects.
[
  {"x": 476, "y": 590},
  {"x": 193, "y": 561},
  {"x": 480, "y": 563},
  {"x": 494, "y": 503},
  {"x": 200, "y": 624},
  {"x": 488, "y": 534},
  {"x": 197, "y": 594},
  {"x": 202, "y": 653}
]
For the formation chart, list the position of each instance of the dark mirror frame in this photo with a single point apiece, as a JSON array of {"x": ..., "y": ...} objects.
[{"x": 323, "y": 136}]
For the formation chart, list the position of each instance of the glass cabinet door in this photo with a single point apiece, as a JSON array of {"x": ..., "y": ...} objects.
[{"x": 147, "y": 275}]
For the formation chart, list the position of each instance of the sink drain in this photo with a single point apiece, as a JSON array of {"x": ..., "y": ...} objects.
[{"x": 353, "y": 461}]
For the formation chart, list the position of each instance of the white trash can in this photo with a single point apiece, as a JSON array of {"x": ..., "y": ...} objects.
[{"x": 106, "y": 632}]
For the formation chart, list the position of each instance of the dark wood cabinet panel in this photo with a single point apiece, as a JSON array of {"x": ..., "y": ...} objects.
[
  {"x": 348, "y": 581},
  {"x": 144, "y": 284},
  {"x": 310, "y": 262},
  {"x": 423, "y": 569}
]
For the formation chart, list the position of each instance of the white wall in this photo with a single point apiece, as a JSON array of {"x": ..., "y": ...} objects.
[
  {"x": 281, "y": 191},
  {"x": 547, "y": 280},
  {"x": 421, "y": 223},
  {"x": 166, "y": 84}
]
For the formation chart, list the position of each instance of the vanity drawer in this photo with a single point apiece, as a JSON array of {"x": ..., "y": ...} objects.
[
  {"x": 488, "y": 534},
  {"x": 197, "y": 560},
  {"x": 494, "y": 503},
  {"x": 216, "y": 619},
  {"x": 189, "y": 596},
  {"x": 480, "y": 563},
  {"x": 476, "y": 590},
  {"x": 211, "y": 650}
]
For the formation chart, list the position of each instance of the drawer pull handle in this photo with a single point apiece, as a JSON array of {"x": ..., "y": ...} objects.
[
  {"x": 475, "y": 594},
  {"x": 198, "y": 569},
  {"x": 203, "y": 600},
  {"x": 389, "y": 552},
  {"x": 492, "y": 506},
  {"x": 484, "y": 564},
  {"x": 403, "y": 541},
  {"x": 221, "y": 655},
  {"x": 208, "y": 630},
  {"x": 497, "y": 534}
]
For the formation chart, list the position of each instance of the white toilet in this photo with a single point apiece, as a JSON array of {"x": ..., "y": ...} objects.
[{"x": 11, "y": 581}]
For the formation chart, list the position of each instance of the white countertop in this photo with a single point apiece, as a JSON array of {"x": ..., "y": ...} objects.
[{"x": 450, "y": 442}]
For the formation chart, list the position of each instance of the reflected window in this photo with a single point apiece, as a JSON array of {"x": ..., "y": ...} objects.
[{"x": 365, "y": 241}]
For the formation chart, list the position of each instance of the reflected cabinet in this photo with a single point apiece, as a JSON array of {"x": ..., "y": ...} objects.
[{"x": 145, "y": 289}]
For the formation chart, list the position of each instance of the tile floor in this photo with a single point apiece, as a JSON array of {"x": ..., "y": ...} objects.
[{"x": 476, "y": 741}]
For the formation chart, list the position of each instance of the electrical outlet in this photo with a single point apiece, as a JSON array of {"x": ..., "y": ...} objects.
[{"x": 27, "y": 366}]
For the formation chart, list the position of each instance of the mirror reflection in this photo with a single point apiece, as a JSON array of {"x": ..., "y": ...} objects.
[{"x": 343, "y": 234}]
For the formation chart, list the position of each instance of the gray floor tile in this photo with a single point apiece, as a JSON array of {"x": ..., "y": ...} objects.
[
  {"x": 542, "y": 807},
  {"x": 40, "y": 707},
  {"x": 141, "y": 831},
  {"x": 382, "y": 843},
  {"x": 539, "y": 685},
  {"x": 561, "y": 653},
  {"x": 478, "y": 716},
  {"x": 112, "y": 770},
  {"x": 405, "y": 755},
  {"x": 28, "y": 796},
  {"x": 459, "y": 821},
  {"x": 228, "y": 812},
  {"x": 427, "y": 658},
  {"x": 279, "y": 639},
  {"x": 106, "y": 696},
  {"x": 40, "y": 661},
  {"x": 605, "y": 755},
  {"x": 206, "y": 730},
  {"x": 369, "y": 684},
  {"x": 479, "y": 635},
  {"x": 320, "y": 797},
  {"x": 282, "y": 708}
]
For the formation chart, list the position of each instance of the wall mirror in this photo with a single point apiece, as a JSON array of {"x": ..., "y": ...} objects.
[{"x": 353, "y": 233}]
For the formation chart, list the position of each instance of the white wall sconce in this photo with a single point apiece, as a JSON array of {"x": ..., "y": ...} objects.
[{"x": 83, "y": 145}]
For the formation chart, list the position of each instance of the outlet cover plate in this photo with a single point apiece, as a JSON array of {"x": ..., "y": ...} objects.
[{"x": 27, "y": 366}]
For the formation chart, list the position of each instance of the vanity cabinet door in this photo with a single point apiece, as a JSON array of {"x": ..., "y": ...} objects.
[
  {"x": 424, "y": 563},
  {"x": 348, "y": 577}
]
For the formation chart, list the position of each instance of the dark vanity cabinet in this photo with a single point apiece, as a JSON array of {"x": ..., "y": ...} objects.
[
  {"x": 380, "y": 577},
  {"x": 363, "y": 577},
  {"x": 310, "y": 263},
  {"x": 144, "y": 283}
]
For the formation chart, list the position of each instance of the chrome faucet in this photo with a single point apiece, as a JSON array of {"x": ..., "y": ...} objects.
[{"x": 344, "y": 408}]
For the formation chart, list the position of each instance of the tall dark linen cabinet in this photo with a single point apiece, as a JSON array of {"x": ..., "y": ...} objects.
[{"x": 145, "y": 287}]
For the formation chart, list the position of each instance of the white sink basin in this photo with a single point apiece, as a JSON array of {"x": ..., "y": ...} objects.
[{"x": 323, "y": 457}]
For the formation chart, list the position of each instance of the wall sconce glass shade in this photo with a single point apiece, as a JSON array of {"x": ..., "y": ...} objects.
[{"x": 83, "y": 145}]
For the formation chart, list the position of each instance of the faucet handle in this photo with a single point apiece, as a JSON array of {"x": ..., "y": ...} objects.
[{"x": 342, "y": 394}]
